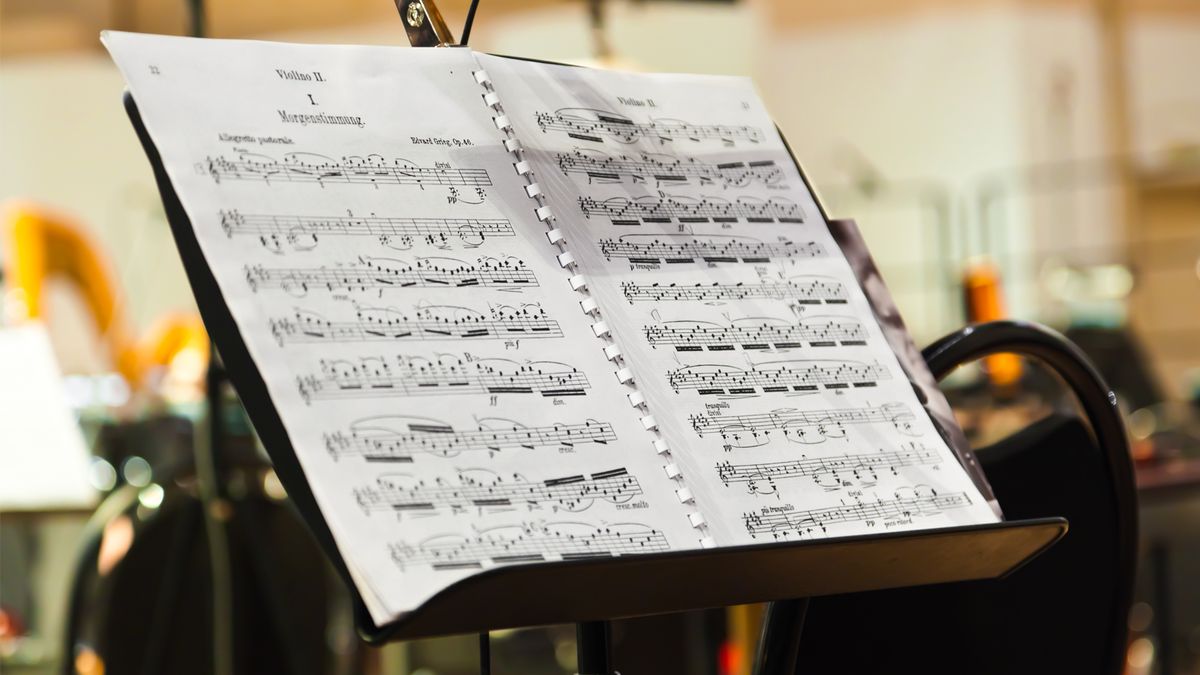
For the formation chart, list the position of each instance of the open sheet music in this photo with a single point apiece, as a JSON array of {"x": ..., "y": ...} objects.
[{"x": 522, "y": 313}]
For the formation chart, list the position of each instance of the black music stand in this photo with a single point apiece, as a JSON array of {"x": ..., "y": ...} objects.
[{"x": 590, "y": 592}]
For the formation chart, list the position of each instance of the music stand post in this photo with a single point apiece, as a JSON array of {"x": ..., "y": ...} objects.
[{"x": 591, "y": 592}]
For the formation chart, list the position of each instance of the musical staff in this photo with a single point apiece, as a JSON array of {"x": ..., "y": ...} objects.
[
  {"x": 531, "y": 542},
  {"x": 831, "y": 473},
  {"x": 375, "y": 170},
  {"x": 685, "y": 209},
  {"x": 800, "y": 426},
  {"x": 812, "y": 291},
  {"x": 666, "y": 169},
  {"x": 444, "y": 375},
  {"x": 908, "y": 503},
  {"x": 399, "y": 438},
  {"x": 484, "y": 489},
  {"x": 755, "y": 334},
  {"x": 388, "y": 273},
  {"x": 303, "y": 233},
  {"x": 429, "y": 322},
  {"x": 775, "y": 377},
  {"x": 588, "y": 124},
  {"x": 681, "y": 248}
]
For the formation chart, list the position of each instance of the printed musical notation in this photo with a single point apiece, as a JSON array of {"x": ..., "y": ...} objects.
[
  {"x": 303, "y": 233},
  {"x": 755, "y": 334},
  {"x": 587, "y": 124},
  {"x": 375, "y": 170},
  {"x": 666, "y": 169},
  {"x": 674, "y": 249},
  {"x": 831, "y": 473},
  {"x": 666, "y": 208},
  {"x": 775, "y": 377},
  {"x": 484, "y": 489},
  {"x": 802, "y": 291},
  {"x": 388, "y": 273},
  {"x": 800, "y": 426},
  {"x": 531, "y": 542},
  {"x": 444, "y": 375},
  {"x": 428, "y": 322},
  {"x": 907, "y": 504},
  {"x": 399, "y": 438}
]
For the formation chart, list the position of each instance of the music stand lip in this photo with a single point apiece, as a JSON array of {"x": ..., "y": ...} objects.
[{"x": 515, "y": 596}]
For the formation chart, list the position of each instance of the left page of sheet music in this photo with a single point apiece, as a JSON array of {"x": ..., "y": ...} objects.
[{"x": 436, "y": 376}]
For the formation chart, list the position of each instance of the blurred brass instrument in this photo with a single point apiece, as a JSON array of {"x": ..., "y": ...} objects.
[{"x": 39, "y": 245}]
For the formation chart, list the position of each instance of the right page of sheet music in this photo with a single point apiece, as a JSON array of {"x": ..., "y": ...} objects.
[{"x": 749, "y": 337}]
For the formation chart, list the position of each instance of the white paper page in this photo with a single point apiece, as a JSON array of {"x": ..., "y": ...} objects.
[
  {"x": 44, "y": 464},
  {"x": 431, "y": 364},
  {"x": 751, "y": 340}
]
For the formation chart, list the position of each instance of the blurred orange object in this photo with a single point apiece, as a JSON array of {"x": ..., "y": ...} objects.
[
  {"x": 984, "y": 298},
  {"x": 40, "y": 244},
  {"x": 10, "y": 625}
]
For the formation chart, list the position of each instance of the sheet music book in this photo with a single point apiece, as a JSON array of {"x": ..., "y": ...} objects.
[{"x": 518, "y": 313}]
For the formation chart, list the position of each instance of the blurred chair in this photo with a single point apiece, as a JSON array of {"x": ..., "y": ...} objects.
[{"x": 1065, "y": 611}]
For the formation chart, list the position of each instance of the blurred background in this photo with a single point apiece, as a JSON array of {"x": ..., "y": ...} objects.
[{"x": 1031, "y": 159}]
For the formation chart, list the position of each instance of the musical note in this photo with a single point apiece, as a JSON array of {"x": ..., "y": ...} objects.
[
  {"x": 683, "y": 248},
  {"x": 588, "y": 124},
  {"x": 685, "y": 209},
  {"x": 375, "y": 170},
  {"x": 389, "y": 273},
  {"x": 428, "y": 322},
  {"x": 813, "y": 291},
  {"x": 831, "y": 473},
  {"x": 666, "y": 169},
  {"x": 775, "y": 377},
  {"x": 484, "y": 489},
  {"x": 800, "y": 426},
  {"x": 531, "y": 542},
  {"x": 398, "y": 438},
  {"x": 444, "y": 375},
  {"x": 907, "y": 504},
  {"x": 302, "y": 233},
  {"x": 752, "y": 334}
]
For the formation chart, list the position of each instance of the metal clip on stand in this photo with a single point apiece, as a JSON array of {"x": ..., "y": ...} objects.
[{"x": 424, "y": 24}]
